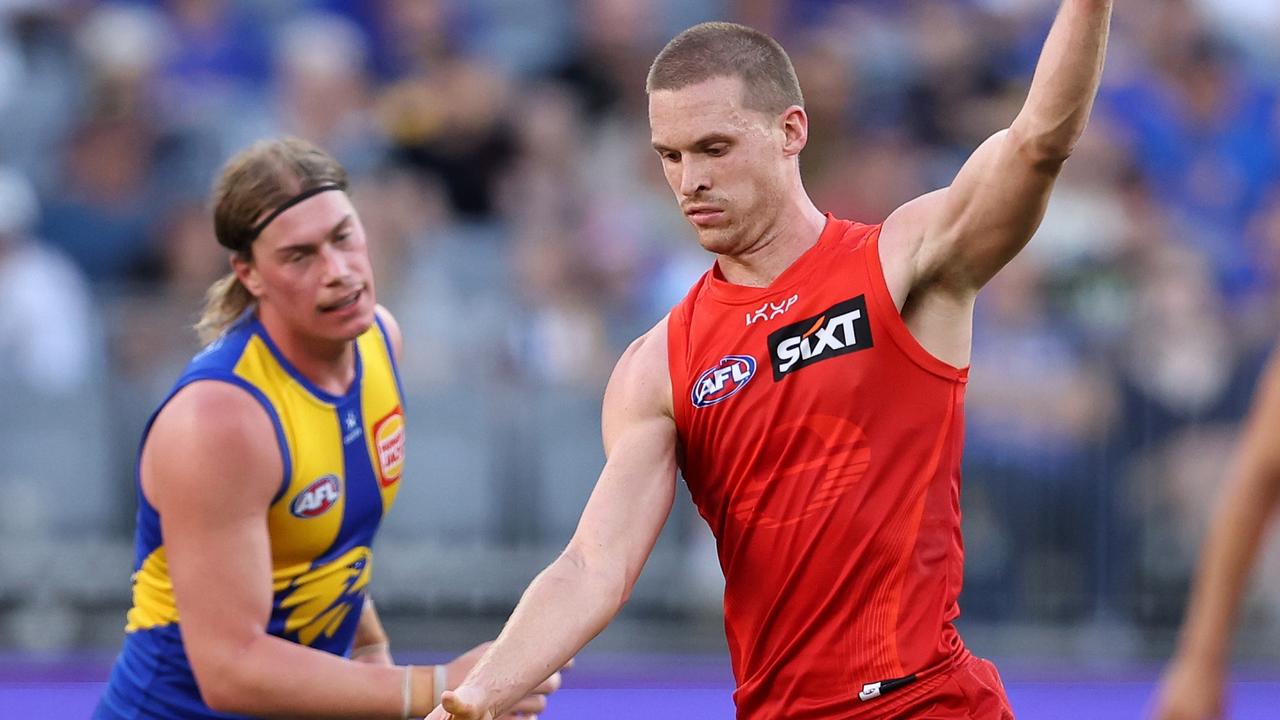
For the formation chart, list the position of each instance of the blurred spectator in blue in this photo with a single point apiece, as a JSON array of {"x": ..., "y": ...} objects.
[
  {"x": 324, "y": 91},
  {"x": 40, "y": 85},
  {"x": 1038, "y": 407},
  {"x": 101, "y": 214},
  {"x": 407, "y": 37},
  {"x": 1182, "y": 364},
  {"x": 46, "y": 317},
  {"x": 1204, "y": 133},
  {"x": 100, "y": 205},
  {"x": 217, "y": 50}
]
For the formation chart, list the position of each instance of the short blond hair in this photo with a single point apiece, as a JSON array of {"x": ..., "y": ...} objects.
[{"x": 723, "y": 49}]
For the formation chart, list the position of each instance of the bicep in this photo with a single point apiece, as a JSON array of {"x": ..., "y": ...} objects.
[
  {"x": 970, "y": 230},
  {"x": 211, "y": 468},
  {"x": 636, "y": 489},
  {"x": 632, "y": 498}
]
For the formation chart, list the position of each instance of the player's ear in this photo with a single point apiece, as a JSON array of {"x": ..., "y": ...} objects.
[
  {"x": 247, "y": 273},
  {"x": 795, "y": 130}
]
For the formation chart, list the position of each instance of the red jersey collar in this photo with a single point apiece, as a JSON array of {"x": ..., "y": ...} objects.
[{"x": 795, "y": 274}]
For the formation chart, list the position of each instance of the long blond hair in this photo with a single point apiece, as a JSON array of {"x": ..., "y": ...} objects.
[{"x": 252, "y": 184}]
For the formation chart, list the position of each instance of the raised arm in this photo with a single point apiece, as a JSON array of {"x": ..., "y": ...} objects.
[
  {"x": 576, "y": 596},
  {"x": 1193, "y": 687},
  {"x": 211, "y": 469},
  {"x": 957, "y": 238}
]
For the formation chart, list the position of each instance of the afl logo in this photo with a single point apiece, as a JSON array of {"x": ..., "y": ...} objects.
[
  {"x": 721, "y": 382},
  {"x": 388, "y": 439},
  {"x": 317, "y": 498}
]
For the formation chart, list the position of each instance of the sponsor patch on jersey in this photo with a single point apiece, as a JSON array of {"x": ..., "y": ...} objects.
[
  {"x": 723, "y": 380},
  {"x": 770, "y": 310},
  {"x": 840, "y": 329},
  {"x": 317, "y": 498},
  {"x": 388, "y": 442}
]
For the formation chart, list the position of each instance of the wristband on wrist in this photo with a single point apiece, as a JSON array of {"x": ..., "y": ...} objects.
[
  {"x": 406, "y": 692},
  {"x": 440, "y": 676}
]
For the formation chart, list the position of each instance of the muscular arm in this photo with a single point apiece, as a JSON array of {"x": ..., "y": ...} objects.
[
  {"x": 959, "y": 237},
  {"x": 576, "y": 596},
  {"x": 211, "y": 468},
  {"x": 1231, "y": 547}
]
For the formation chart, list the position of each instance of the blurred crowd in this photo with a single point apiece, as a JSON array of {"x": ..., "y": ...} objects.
[{"x": 522, "y": 232}]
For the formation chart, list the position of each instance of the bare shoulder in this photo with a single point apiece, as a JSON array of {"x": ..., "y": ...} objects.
[
  {"x": 211, "y": 434},
  {"x": 641, "y": 380},
  {"x": 393, "y": 330}
]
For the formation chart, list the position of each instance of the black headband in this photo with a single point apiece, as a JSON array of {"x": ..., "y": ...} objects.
[{"x": 256, "y": 230}]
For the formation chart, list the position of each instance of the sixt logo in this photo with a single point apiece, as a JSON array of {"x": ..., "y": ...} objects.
[
  {"x": 730, "y": 375},
  {"x": 317, "y": 498},
  {"x": 840, "y": 329},
  {"x": 770, "y": 310}
]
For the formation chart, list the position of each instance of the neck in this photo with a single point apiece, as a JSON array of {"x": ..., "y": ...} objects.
[
  {"x": 329, "y": 365},
  {"x": 795, "y": 229}
]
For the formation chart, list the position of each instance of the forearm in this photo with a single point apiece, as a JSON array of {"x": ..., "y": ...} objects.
[
  {"x": 1066, "y": 80},
  {"x": 273, "y": 677},
  {"x": 1229, "y": 553},
  {"x": 567, "y": 605}
]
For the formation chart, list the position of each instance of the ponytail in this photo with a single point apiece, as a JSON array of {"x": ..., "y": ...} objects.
[{"x": 225, "y": 301}]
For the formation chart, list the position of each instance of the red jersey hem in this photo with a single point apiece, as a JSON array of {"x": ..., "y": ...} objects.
[{"x": 927, "y": 681}]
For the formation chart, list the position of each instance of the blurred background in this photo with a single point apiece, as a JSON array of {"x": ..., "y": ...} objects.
[{"x": 522, "y": 234}]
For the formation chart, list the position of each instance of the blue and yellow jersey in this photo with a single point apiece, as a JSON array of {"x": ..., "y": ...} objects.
[{"x": 343, "y": 457}]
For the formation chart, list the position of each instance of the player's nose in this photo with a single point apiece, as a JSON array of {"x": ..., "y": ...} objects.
[{"x": 694, "y": 178}]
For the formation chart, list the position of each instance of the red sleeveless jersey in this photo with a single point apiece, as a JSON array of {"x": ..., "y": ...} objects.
[{"x": 822, "y": 445}]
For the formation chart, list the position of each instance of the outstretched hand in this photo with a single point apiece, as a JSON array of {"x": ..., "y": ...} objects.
[
  {"x": 465, "y": 703},
  {"x": 470, "y": 702}
]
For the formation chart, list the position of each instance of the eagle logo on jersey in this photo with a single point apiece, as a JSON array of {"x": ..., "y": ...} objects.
[
  {"x": 723, "y": 380},
  {"x": 840, "y": 329},
  {"x": 321, "y": 599}
]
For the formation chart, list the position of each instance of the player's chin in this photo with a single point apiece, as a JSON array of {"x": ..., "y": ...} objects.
[{"x": 720, "y": 240}]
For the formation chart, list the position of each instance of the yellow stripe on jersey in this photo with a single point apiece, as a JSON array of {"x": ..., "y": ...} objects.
[
  {"x": 314, "y": 436},
  {"x": 153, "y": 604}
]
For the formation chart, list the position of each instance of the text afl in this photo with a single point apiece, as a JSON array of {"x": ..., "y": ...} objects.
[
  {"x": 724, "y": 380},
  {"x": 317, "y": 498}
]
